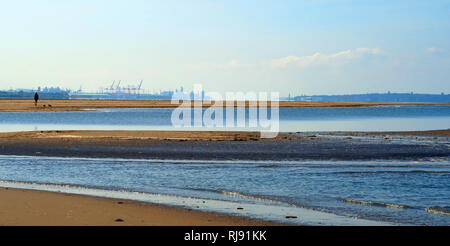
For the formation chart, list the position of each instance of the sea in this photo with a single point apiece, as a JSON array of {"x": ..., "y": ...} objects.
[{"x": 307, "y": 192}]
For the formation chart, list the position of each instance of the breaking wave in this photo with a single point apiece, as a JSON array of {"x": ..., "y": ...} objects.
[
  {"x": 379, "y": 204},
  {"x": 438, "y": 210},
  {"x": 254, "y": 197},
  {"x": 385, "y": 171}
]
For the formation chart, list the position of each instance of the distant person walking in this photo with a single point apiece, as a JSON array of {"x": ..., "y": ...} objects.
[{"x": 36, "y": 98}]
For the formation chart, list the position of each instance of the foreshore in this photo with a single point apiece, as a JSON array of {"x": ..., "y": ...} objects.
[
  {"x": 214, "y": 145},
  {"x": 24, "y": 105},
  {"x": 20, "y": 207},
  {"x": 31, "y": 207}
]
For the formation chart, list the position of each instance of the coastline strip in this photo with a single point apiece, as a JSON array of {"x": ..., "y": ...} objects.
[{"x": 27, "y": 105}]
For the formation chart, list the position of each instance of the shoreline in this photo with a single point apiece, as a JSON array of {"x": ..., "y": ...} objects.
[
  {"x": 64, "y": 203},
  {"x": 27, "y": 105},
  {"x": 203, "y": 145},
  {"x": 28, "y": 207}
]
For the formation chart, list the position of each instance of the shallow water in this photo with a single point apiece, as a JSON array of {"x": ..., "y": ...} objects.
[
  {"x": 390, "y": 118},
  {"x": 266, "y": 190}
]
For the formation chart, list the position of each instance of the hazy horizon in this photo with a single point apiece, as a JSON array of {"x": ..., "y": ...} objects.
[{"x": 299, "y": 47}]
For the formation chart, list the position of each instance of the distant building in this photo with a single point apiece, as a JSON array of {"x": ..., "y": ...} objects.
[{"x": 378, "y": 97}]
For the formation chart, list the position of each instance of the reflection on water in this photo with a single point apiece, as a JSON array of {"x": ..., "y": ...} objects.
[{"x": 392, "y": 118}]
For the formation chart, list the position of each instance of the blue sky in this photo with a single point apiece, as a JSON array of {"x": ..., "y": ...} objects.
[{"x": 302, "y": 47}]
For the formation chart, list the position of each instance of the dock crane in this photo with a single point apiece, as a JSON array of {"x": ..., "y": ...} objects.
[
  {"x": 139, "y": 87},
  {"x": 118, "y": 86}
]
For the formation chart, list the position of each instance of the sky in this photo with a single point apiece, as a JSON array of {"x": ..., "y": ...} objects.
[{"x": 298, "y": 47}]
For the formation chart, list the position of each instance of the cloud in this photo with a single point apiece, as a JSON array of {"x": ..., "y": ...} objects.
[
  {"x": 341, "y": 57},
  {"x": 320, "y": 59},
  {"x": 432, "y": 50}
]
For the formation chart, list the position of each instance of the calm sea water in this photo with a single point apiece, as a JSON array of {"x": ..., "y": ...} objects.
[
  {"x": 290, "y": 186},
  {"x": 291, "y": 119}
]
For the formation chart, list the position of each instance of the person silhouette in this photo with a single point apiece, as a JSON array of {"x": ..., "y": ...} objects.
[{"x": 36, "y": 98}]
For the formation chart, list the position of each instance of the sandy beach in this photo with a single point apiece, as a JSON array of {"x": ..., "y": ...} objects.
[
  {"x": 31, "y": 208},
  {"x": 24, "y": 105}
]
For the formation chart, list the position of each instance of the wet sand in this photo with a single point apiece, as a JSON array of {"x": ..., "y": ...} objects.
[
  {"x": 214, "y": 146},
  {"x": 23, "y": 105},
  {"x": 88, "y": 135},
  {"x": 20, "y": 207},
  {"x": 435, "y": 133}
]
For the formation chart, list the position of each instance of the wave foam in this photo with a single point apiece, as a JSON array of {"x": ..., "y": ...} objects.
[
  {"x": 438, "y": 210},
  {"x": 379, "y": 204}
]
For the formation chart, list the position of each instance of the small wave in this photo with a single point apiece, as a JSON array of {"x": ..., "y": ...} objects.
[
  {"x": 385, "y": 171},
  {"x": 63, "y": 186},
  {"x": 282, "y": 165},
  {"x": 237, "y": 194},
  {"x": 253, "y": 197},
  {"x": 438, "y": 210},
  {"x": 379, "y": 204}
]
